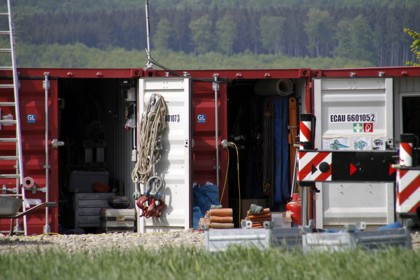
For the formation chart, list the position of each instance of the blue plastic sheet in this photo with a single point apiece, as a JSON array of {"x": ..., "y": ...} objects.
[
  {"x": 204, "y": 196},
  {"x": 390, "y": 226},
  {"x": 196, "y": 216},
  {"x": 281, "y": 144}
]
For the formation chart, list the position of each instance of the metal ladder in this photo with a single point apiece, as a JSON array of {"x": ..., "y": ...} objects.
[{"x": 10, "y": 123}]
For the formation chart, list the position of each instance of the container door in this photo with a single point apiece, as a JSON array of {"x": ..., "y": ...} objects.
[
  {"x": 174, "y": 165},
  {"x": 354, "y": 114},
  {"x": 37, "y": 156},
  {"x": 204, "y": 153}
]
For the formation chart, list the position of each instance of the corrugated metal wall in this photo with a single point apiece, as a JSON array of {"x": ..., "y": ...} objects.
[{"x": 119, "y": 140}]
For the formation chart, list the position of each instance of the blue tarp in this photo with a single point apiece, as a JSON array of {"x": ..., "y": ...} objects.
[
  {"x": 281, "y": 150},
  {"x": 204, "y": 196}
]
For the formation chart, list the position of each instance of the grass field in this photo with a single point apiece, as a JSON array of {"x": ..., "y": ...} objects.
[{"x": 235, "y": 263}]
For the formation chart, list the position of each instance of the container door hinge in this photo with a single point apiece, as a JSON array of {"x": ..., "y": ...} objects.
[{"x": 46, "y": 82}]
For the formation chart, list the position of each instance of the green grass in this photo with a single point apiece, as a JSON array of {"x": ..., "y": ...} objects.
[{"x": 235, "y": 263}]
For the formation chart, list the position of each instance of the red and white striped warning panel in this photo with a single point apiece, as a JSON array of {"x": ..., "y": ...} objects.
[
  {"x": 314, "y": 166},
  {"x": 406, "y": 154},
  {"x": 408, "y": 197},
  {"x": 305, "y": 131}
]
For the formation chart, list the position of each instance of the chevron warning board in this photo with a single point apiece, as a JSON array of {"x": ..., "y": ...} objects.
[
  {"x": 350, "y": 166},
  {"x": 408, "y": 196},
  {"x": 314, "y": 166}
]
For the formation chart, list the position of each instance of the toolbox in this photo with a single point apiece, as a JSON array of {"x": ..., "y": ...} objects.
[
  {"x": 88, "y": 207},
  {"x": 118, "y": 220}
]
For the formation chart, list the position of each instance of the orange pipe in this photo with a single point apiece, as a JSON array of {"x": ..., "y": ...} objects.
[
  {"x": 219, "y": 219},
  {"x": 222, "y": 212},
  {"x": 293, "y": 132}
]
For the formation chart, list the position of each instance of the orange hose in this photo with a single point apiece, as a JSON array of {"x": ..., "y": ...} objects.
[
  {"x": 257, "y": 225},
  {"x": 260, "y": 220},
  {"x": 262, "y": 216},
  {"x": 264, "y": 211}
]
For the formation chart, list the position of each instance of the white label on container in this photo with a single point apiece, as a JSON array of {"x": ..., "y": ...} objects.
[{"x": 352, "y": 117}]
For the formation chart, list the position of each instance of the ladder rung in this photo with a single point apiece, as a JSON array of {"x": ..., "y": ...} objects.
[
  {"x": 11, "y": 194},
  {"x": 7, "y": 86},
  {"x": 4, "y": 14},
  {"x": 7, "y": 103},
  {"x": 8, "y": 140},
  {"x": 7, "y": 122},
  {"x": 5, "y": 50},
  {"x": 9, "y": 176},
  {"x": 4, "y": 32},
  {"x": 9, "y": 157},
  {"x": 6, "y": 67}
]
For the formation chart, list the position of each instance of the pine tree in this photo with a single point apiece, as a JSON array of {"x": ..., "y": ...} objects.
[{"x": 415, "y": 46}]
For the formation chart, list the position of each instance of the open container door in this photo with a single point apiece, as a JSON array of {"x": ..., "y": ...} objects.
[
  {"x": 174, "y": 165},
  {"x": 354, "y": 114}
]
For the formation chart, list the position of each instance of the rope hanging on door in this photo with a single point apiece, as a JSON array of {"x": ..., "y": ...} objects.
[{"x": 150, "y": 142}]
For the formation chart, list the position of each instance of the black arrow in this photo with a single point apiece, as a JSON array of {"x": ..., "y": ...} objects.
[{"x": 314, "y": 169}]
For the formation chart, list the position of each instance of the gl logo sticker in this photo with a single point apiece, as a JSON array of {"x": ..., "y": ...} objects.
[
  {"x": 31, "y": 118},
  {"x": 201, "y": 118}
]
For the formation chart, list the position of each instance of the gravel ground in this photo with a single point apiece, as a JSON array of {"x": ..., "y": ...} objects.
[{"x": 92, "y": 243}]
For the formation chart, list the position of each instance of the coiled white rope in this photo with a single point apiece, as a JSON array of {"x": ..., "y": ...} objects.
[{"x": 150, "y": 139}]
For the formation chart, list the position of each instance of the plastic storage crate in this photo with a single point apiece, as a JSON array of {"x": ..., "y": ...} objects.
[
  {"x": 370, "y": 240},
  {"x": 326, "y": 241},
  {"x": 289, "y": 238},
  {"x": 88, "y": 207},
  {"x": 398, "y": 237},
  {"x": 221, "y": 239},
  {"x": 262, "y": 238}
]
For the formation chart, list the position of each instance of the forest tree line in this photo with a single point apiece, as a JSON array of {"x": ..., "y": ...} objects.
[
  {"x": 370, "y": 33},
  {"x": 46, "y": 6}
]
